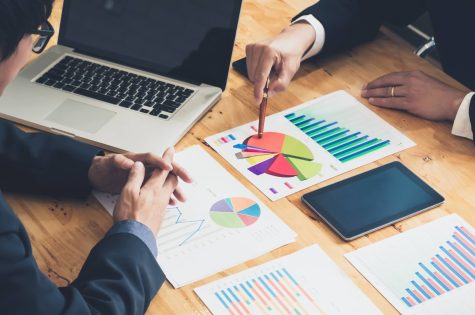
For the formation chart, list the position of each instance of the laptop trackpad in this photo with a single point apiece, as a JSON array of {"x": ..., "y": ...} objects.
[{"x": 80, "y": 116}]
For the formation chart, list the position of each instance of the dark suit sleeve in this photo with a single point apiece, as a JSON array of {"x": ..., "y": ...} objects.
[
  {"x": 120, "y": 276},
  {"x": 351, "y": 22},
  {"x": 43, "y": 163}
]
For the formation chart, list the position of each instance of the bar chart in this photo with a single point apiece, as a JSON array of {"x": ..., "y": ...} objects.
[
  {"x": 342, "y": 143},
  {"x": 447, "y": 270},
  {"x": 427, "y": 270},
  {"x": 306, "y": 282}
]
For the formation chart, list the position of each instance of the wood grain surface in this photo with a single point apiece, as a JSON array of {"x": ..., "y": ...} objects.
[{"x": 63, "y": 231}]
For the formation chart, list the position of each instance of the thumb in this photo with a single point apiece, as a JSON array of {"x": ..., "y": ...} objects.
[{"x": 136, "y": 177}]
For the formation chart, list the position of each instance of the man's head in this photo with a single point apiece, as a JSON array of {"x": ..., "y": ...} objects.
[{"x": 18, "y": 19}]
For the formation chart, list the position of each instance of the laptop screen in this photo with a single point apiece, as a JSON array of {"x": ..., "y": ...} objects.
[{"x": 189, "y": 40}]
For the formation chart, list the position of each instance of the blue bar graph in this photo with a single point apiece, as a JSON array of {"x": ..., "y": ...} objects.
[
  {"x": 449, "y": 269},
  {"x": 337, "y": 140}
]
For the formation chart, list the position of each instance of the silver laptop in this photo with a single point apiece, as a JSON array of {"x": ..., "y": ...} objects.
[{"x": 128, "y": 75}]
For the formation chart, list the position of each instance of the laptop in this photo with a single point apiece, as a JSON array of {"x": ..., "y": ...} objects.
[{"x": 128, "y": 75}]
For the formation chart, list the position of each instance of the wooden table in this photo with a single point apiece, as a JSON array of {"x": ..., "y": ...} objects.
[{"x": 64, "y": 231}]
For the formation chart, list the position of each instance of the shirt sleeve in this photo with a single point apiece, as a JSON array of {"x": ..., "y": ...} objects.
[
  {"x": 138, "y": 229},
  {"x": 462, "y": 126},
  {"x": 319, "y": 35}
]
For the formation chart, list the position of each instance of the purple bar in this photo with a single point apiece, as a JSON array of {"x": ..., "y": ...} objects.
[{"x": 273, "y": 191}]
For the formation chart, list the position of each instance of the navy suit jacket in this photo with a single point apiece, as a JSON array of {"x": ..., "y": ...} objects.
[
  {"x": 351, "y": 22},
  {"x": 120, "y": 276}
]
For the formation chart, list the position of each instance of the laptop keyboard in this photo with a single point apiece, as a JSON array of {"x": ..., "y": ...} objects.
[{"x": 117, "y": 87}]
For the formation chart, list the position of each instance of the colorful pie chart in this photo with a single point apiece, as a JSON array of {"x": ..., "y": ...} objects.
[
  {"x": 237, "y": 212},
  {"x": 280, "y": 155}
]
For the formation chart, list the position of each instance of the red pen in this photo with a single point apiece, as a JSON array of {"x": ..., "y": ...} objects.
[{"x": 262, "y": 110}]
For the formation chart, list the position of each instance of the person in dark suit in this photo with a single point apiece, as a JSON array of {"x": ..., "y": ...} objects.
[
  {"x": 120, "y": 275},
  {"x": 332, "y": 26}
]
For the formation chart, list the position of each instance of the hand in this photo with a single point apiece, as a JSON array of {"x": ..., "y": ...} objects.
[
  {"x": 416, "y": 93},
  {"x": 281, "y": 54},
  {"x": 109, "y": 173},
  {"x": 146, "y": 204}
]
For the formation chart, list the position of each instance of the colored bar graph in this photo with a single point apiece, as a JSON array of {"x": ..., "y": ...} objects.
[
  {"x": 339, "y": 141},
  {"x": 274, "y": 292},
  {"x": 451, "y": 268},
  {"x": 226, "y": 139}
]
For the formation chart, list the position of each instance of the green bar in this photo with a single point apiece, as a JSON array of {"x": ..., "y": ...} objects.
[
  {"x": 327, "y": 135},
  {"x": 315, "y": 132},
  {"x": 363, "y": 153},
  {"x": 350, "y": 145},
  {"x": 332, "y": 139},
  {"x": 296, "y": 121},
  {"x": 370, "y": 143},
  {"x": 341, "y": 142}
]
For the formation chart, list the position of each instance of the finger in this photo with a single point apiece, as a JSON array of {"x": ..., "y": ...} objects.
[
  {"x": 282, "y": 82},
  {"x": 136, "y": 178},
  {"x": 172, "y": 202},
  {"x": 250, "y": 61},
  {"x": 391, "y": 79},
  {"x": 150, "y": 159},
  {"x": 170, "y": 185},
  {"x": 122, "y": 162},
  {"x": 390, "y": 102},
  {"x": 398, "y": 91},
  {"x": 179, "y": 194},
  {"x": 264, "y": 68},
  {"x": 158, "y": 177},
  {"x": 182, "y": 173}
]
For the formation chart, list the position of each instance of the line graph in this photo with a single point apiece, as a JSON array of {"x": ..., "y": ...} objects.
[{"x": 171, "y": 221}]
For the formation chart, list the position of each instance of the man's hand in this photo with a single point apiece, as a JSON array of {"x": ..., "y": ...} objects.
[
  {"x": 146, "y": 202},
  {"x": 280, "y": 55},
  {"x": 416, "y": 93},
  {"x": 109, "y": 173}
]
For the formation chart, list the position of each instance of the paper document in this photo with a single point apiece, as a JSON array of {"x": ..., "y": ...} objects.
[
  {"x": 222, "y": 224},
  {"x": 308, "y": 144}
]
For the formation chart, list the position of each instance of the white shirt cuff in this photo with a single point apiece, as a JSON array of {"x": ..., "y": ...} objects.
[
  {"x": 462, "y": 126},
  {"x": 319, "y": 35}
]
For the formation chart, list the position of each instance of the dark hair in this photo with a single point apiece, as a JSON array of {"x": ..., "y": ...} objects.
[{"x": 18, "y": 18}]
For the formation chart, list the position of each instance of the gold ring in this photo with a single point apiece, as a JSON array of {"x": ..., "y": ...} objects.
[{"x": 392, "y": 91}]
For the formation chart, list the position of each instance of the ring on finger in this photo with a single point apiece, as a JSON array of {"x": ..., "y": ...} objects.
[{"x": 392, "y": 91}]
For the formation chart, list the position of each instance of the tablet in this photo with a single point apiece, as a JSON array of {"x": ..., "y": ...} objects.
[{"x": 372, "y": 200}]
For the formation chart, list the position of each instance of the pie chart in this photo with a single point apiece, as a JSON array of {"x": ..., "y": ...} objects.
[
  {"x": 280, "y": 155},
  {"x": 236, "y": 212}
]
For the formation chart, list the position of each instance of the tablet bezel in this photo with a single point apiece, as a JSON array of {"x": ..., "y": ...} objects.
[{"x": 437, "y": 200}]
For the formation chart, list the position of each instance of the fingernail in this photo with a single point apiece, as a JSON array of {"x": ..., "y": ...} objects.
[
  {"x": 371, "y": 100},
  {"x": 138, "y": 165},
  {"x": 364, "y": 86}
]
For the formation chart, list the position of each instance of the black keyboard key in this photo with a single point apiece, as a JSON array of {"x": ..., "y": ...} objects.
[
  {"x": 97, "y": 96},
  {"x": 126, "y": 104},
  {"x": 59, "y": 85},
  {"x": 171, "y": 104},
  {"x": 143, "y": 110},
  {"x": 42, "y": 80},
  {"x": 163, "y": 116},
  {"x": 155, "y": 112},
  {"x": 50, "y": 82},
  {"x": 68, "y": 88},
  {"x": 168, "y": 109},
  {"x": 136, "y": 107}
]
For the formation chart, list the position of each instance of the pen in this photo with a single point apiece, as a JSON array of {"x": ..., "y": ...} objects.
[{"x": 262, "y": 110}]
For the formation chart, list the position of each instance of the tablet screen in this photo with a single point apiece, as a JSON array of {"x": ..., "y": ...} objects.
[{"x": 372, "y": 200}]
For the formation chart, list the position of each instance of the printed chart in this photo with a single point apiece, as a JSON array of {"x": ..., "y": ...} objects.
[
  {"x": 344, "y": 144},
  {"x": 308, "y": 144},
  {"x": 278, "y": 155},
  {"x": 428, "y": 270},
  {"x": 221, "y": 218},
  {"x": 235, "y": 212},
  {"x": 305, "y": 282}
]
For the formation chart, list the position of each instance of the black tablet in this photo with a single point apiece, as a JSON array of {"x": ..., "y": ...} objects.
[{"x": 372, "y": 200}]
